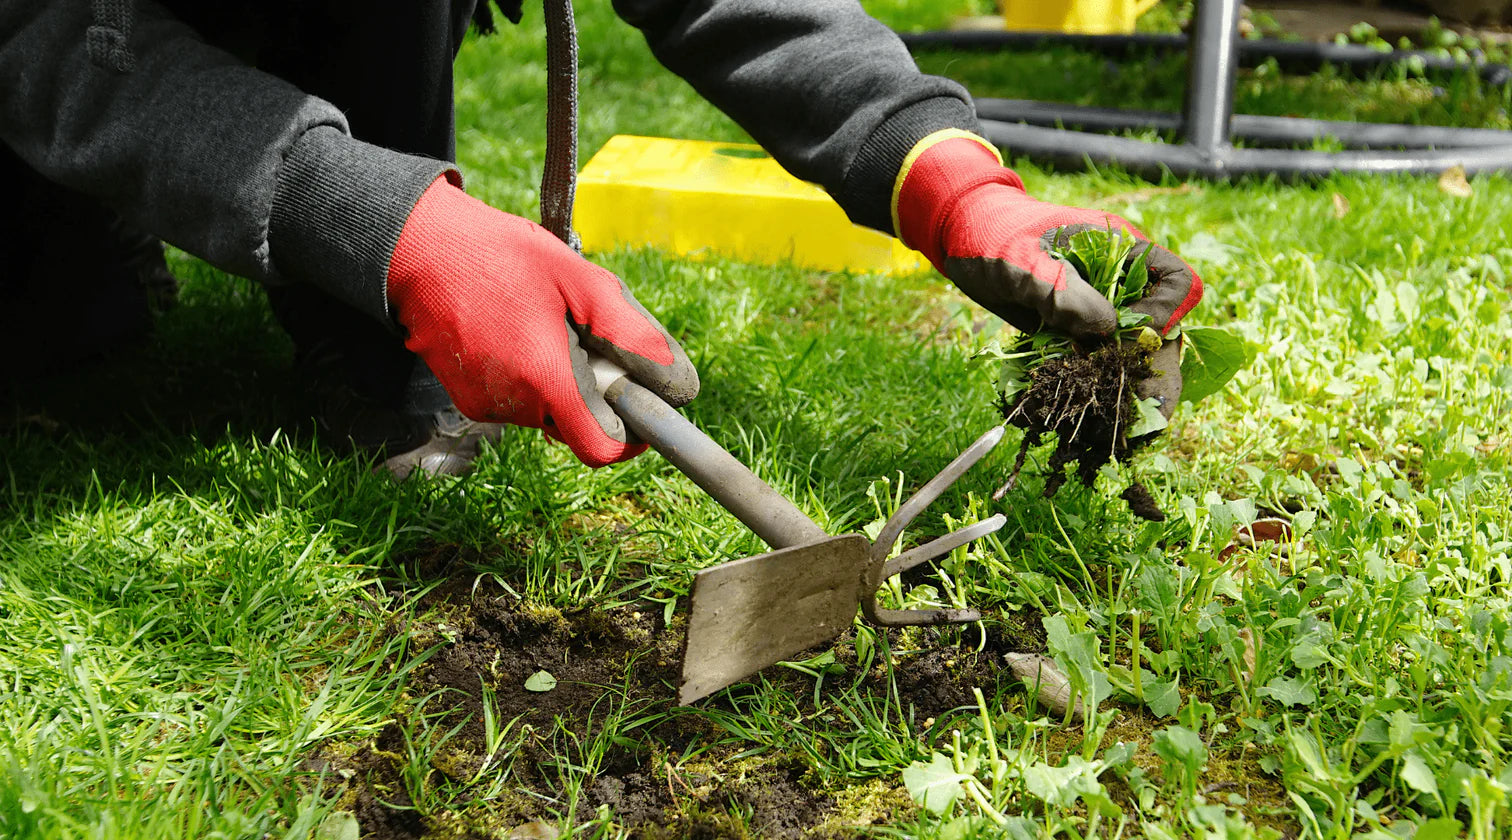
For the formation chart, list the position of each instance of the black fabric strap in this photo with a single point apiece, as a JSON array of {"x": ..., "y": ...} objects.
[{"x": 559, "y": 177}]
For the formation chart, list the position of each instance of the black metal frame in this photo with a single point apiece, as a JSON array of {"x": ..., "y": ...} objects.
[{"x": 1208, "y": 124}]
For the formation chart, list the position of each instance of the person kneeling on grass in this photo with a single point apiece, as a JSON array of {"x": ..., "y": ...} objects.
[{"x": 307, "y": 145}]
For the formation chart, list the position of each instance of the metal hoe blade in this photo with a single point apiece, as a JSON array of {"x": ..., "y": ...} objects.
[{"x": 750, "y": 613}]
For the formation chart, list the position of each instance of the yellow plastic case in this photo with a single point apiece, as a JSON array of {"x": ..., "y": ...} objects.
[
  {"x": 1085, "y": 17},
  {"x": 695, "y": 197}
]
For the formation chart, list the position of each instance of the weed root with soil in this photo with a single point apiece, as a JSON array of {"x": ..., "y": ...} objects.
[{"x": 1087, "y": 401}]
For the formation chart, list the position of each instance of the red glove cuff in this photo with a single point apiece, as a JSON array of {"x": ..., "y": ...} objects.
[
  {"x": 440, "y": 223},
  {"x": 943, "y": 167}
]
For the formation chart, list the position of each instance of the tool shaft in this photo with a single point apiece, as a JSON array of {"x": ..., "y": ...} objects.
[{"x": 769, "y": 514}]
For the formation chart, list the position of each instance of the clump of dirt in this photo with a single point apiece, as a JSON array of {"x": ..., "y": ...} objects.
[
  {"x": 1087, "y": 401},
  {"x": 1142, "y": 502}
]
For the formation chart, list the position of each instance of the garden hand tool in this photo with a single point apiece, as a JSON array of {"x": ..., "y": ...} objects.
[{"x": 750, "y": 613}]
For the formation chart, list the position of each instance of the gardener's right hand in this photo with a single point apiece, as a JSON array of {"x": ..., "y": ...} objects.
[
  {"x": 504, "y": 314},
  {"x": 956, "y": 202}
]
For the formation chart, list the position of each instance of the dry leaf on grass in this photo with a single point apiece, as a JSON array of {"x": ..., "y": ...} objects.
[
  {"x": 1250, "y": 646},
  {"x": 1299, "y": 462},
  {"x": 1454, "y": 182},
  {"x": 1265, "y": 530},
  {"x": 1053, "y": 689},
  {"x": 535, "y": 831},
  {"x": 1340, "y": 206},
  {"x": 1261, "y": 531},
  {"x": 1136, "y": 196}
]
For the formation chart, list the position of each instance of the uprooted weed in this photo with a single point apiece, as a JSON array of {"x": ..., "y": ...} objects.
[{"x": 1087, "y": 402}]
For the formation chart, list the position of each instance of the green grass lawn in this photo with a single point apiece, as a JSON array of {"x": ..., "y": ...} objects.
[{"x": 212, "y": 625}]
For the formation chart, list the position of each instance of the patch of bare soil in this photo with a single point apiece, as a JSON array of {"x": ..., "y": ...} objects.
[
  {"x": 621, "y": 661},
  {"x": 1087, "y": 401}
]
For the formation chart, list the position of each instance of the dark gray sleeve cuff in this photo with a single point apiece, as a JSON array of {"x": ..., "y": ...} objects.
[
  {"x": 339, "y": 205},
  {"x": 866, "y": 193}
]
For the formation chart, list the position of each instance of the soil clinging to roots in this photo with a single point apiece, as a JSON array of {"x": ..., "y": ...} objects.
[{"x": 1087, "y": 401}]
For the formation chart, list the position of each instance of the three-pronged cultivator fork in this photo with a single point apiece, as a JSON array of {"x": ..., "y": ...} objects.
[{"x": 881, "y": 565}]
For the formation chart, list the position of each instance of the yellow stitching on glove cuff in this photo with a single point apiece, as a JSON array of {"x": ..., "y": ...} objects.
[{"x": 919, "y": 149}]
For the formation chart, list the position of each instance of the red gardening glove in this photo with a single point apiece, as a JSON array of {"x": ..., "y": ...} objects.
[
  {"x": 502, "y": 312},
  {"x": 956, "y": 203}
]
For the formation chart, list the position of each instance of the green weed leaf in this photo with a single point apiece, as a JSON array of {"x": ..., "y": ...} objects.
[
  {"x": 1196, "y": 714},
  {"x": 1157, "y": 590},
  {"x": 1180, "y": 747},
  {"x": 1078, "y": 655},
  {"x": 1013, "y": 379},
  {"x": 971, "y": 828},
  {"x": 1417, "y": 775},
  {"x": 935, "y": 785},
  {"x": 1062, "y": 786},
  {"x": 1149, "y": 419},
  {"x": 1442, "y": 828},
  {"x": 1162, "y": 697},
  {"x": 1309, "y": 655},
  {"x": 1098, "y": 255},
  {"x": 339, "y": 825},
  {"x": 1211, "y": 357},
  {"x": 1136, "y": 278},
  {"x": 540, "y": 681},
  {"x": 1118, "y": 755},
  {"x": 1289, "y": 692}
]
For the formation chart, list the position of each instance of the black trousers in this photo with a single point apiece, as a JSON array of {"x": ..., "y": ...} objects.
[
  {"x": 67, "y": 289},
  {"x": 386, "y": 63}
]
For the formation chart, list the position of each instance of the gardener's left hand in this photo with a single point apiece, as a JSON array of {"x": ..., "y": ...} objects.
[{"x": 969, "y": 215}]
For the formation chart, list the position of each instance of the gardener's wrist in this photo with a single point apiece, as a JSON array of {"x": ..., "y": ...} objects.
[
  {"x": 937, "y": 173},
  {"x": 866, "y": 191},
  {"x": 338, "y": 209}
]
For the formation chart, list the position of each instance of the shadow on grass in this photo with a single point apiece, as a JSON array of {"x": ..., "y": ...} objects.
[{"x": 216, "y": 366}]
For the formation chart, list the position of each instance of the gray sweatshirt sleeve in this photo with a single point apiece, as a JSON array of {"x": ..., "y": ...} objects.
[
  {"x": 829, "y": 91},
  {"x": 204, "y": 151}
]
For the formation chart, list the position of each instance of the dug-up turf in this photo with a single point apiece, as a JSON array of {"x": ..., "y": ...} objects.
[
  {"x": 1087, "y": 401},
  {"x": 615, "y": 674}
]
